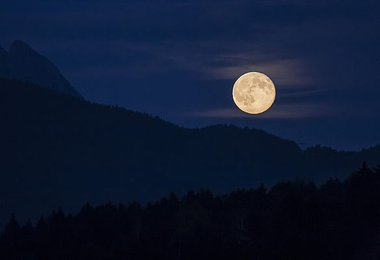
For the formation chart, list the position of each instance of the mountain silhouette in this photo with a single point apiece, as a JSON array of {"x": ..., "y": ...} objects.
[
  {"x": 24, "y": 63},
  {"x": 61, "y": 151}
]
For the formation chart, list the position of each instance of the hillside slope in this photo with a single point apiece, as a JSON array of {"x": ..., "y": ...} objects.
[{"x": 59, "y": 151}]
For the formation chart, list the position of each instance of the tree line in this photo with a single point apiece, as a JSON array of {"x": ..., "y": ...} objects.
[{"x": 291, "y": 220}]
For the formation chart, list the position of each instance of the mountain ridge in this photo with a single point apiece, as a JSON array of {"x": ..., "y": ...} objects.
[{"x": 24, "y": 63}]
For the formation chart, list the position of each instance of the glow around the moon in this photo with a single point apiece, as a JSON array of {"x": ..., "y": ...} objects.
[{"x": 253, "y": 93}]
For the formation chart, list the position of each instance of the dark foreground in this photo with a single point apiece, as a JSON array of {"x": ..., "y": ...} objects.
[{"x": 293, "y": 220}]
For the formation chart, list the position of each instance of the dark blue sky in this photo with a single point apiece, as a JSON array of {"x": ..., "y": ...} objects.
[{"x": 179, "y": 59}]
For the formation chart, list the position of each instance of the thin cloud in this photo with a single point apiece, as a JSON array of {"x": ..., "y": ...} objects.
[
  {"x": 281, "y": 111},
  {"x": 287, "y": 73},
  {"x": 211, "y": 61},
  {"x": 302, "y": 93}
]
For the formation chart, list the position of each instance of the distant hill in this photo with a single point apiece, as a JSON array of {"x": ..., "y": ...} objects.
[
  {"x": 60, "y": 151},
  {"x": 24, "y": 63}
]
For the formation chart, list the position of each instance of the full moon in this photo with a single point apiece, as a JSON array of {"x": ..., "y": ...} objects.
[{"x": 253, "y": 93}]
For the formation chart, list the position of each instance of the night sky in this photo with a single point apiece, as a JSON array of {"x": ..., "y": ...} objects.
[{"x": 179, "y": 59}]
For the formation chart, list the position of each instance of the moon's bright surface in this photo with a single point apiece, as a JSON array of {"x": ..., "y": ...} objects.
[{"x": 254, "y": 92}]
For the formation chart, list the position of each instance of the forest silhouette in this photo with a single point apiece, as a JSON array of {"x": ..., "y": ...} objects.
[
  {"x": 292, "y": 220},
  {"x": 61, "y": 151}
]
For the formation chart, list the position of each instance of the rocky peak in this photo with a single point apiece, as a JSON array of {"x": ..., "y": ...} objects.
[
  {"x": 24, "y": 63},
  {"x": 19, "y": 47}
]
